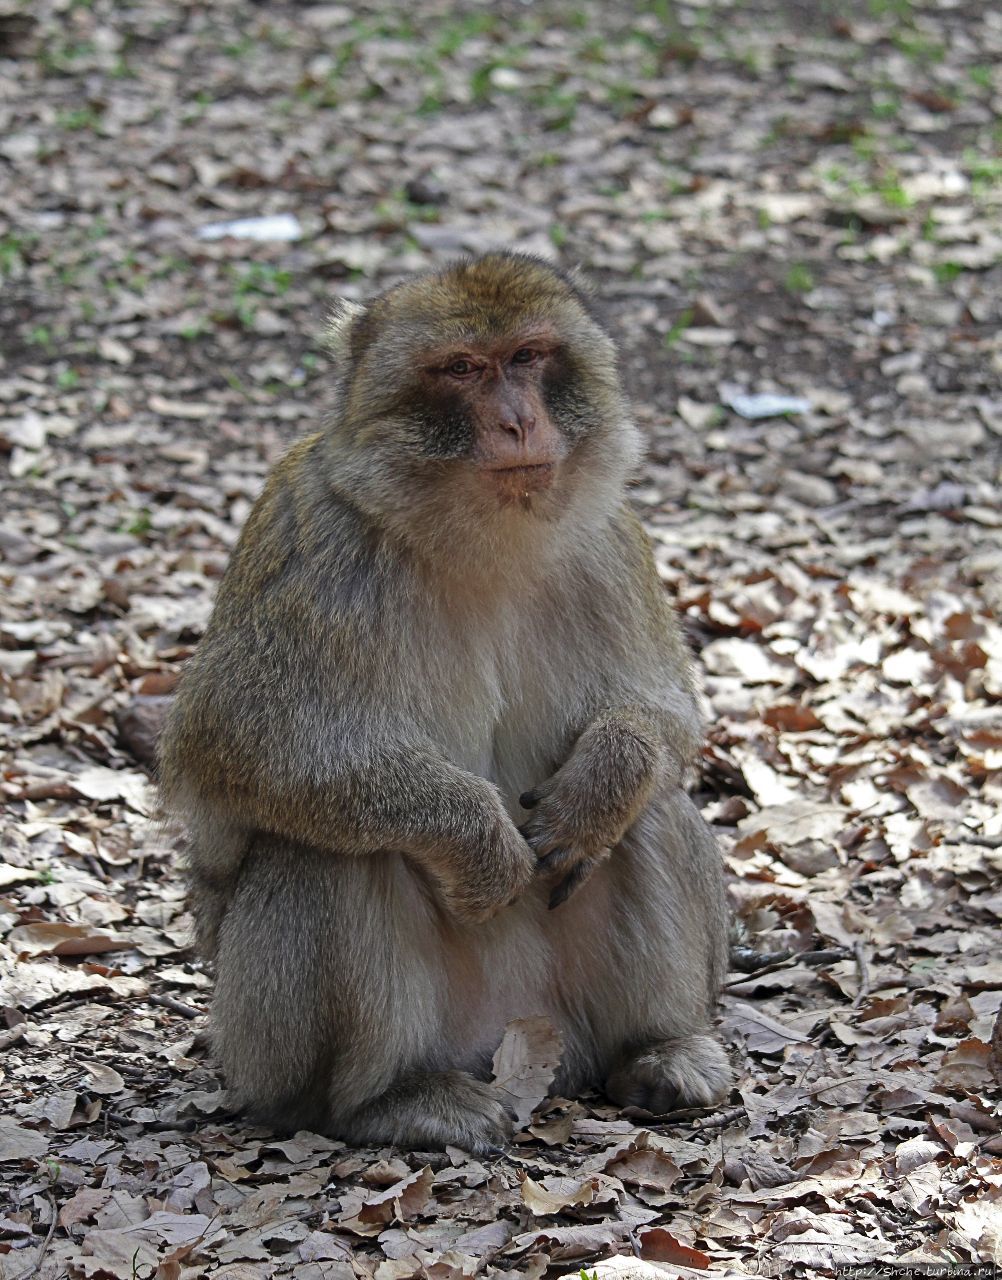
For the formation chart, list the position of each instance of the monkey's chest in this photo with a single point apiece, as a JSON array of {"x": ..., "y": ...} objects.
[{"x": 496, "y": 711}]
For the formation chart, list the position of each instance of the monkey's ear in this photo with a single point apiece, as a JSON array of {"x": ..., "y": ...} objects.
[{"x": 341, "y": 322}]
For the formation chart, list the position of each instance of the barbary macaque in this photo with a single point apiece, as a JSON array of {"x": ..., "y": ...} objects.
[{"x": 431, "y": 749}]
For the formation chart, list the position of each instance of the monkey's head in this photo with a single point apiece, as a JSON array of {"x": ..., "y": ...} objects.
[{"x": 486, "y": 393}]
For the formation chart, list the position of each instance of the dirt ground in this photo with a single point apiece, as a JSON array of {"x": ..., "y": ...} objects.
[{"x": 769, "y": 197}]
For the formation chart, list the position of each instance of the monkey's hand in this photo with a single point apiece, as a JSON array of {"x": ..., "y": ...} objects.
[
  {"x": 492, "y": 866},
  {"x": 587, "y": 806}
]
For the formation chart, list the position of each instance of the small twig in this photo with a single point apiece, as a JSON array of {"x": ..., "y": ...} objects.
[
  {"x": 45, "y": 791},
  {"x": 36, "y": 1267},
  {"x": 95, "y": 867},
  {"x": 720, "y": 1120},
  {"x": 864, "y": 974},
  {"x": 812, "y": 958},
  {"x": 176, "y": 1006}
]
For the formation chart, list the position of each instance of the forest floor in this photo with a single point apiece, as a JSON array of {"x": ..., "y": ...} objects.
[{"x": 769, "y": 197}]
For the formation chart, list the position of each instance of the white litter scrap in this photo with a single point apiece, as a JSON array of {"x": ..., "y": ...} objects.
[
  {"x": 766, "y": 404},
  {"x": 273, "y": 227}
]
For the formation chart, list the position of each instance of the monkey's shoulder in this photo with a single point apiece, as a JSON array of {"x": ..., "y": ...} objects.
[
  {"x": 620, "y": 555},
  {"x": 613, "y": 589},
  {"x": 306, "y": 549}
]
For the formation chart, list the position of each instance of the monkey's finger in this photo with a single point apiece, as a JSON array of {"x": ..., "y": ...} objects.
[
  {"x": 540, "y": 842},
  {"x": 552, "y": 861},
  {"x": 572, "y": 882}
]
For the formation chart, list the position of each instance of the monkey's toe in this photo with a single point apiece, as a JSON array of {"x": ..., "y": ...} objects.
[{"x": 691, "y": 1072}]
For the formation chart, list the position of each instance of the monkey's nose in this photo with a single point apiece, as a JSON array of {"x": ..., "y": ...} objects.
[{"x": 518, "y": 426}]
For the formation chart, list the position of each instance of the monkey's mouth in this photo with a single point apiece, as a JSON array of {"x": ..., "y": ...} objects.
[{"x": 521, "y": 481}]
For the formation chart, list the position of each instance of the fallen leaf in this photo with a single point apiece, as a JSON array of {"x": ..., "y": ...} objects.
[
  {"x": 657, "y": 1244},
  {"x": 526, "y": 1062},
  {"x": 404, "y": 1199},
  {"x": 64, "y": 940},
  {"x": 556, "y": 1194}
]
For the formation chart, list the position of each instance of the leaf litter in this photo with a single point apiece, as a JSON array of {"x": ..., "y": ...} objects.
[{"x": 783, "y": 210}]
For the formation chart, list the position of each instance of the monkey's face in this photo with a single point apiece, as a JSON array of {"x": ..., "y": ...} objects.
[
  {"x": 490, "y": 381},
  {"x": 486, "y": 403}
]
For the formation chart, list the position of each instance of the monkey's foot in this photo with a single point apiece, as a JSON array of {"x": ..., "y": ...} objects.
[
  {"x": 449, "y": 1108},
  {"x": 689, "y": 1072}
]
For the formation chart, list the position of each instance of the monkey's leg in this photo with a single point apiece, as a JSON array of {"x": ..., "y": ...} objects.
[
  {"x": 666, "y": 950},
  {"x": 279, "y": 997},
  {"x": 329, "y": 1002},
  {"x": 437, "y": 1109},
  {"x": 691, "y": 1071}
]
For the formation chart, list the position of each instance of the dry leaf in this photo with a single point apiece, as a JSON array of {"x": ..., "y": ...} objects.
[
  {"x": 657, "y": 1244},
  {"x": 525, "y": 1063},
  {"x": 556, "y": 1194},
  {"x": 404, "y": 1199},
  {"x": 64, "y": 940}
]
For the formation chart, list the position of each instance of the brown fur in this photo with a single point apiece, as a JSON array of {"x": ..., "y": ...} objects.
[{"x": 396, "y": 655}]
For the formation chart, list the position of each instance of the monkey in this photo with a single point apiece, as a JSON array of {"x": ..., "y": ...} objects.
[{"x": 431, "y": 748}]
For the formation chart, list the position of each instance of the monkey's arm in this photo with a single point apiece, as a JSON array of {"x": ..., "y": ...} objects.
[
  {"x": 385, "y": 797},
  {"x": 642, "y": 736},
  {"x": 588, "y": 805}
]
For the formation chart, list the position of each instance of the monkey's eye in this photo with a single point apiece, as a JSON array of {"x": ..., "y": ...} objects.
[
  {"x": 525, "y": 355},
  {"x": 461, "y": 368}
]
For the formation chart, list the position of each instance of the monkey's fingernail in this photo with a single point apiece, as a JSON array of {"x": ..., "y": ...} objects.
[{"x": 528, "y": 799}]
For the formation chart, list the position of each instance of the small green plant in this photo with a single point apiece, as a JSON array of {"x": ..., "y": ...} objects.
[
  {"x": 454, "y": 34},
  {"x": 79, "y": 118},
  {"x": 985, "y": 171},
  {"x": 240, "y": 48},
  {"x": 886, "y": 107},
  {"x": 799, "y": 278},
  {"x": 901, "y": 9},
  {"x": 432, "y": 103},
  {"x": 558, "y": 105},
  {"x": 196, "y": 107},
  {"x": 62, "y": 58},
  {"x": 981, "y": 77},
  {"x": 13, "y": 258},
  {"x": 139, "y": 524},
  {"x": 893, "y": 193},
  {"x": 195, "y": 328},
  {"x": 480, "y": 80},
  {"x": 947, "y": 272},
  {"x": 259, "y": 279},
  {"x": 674, "y": 334},
  {"x": 234, "y": 383},
  {"x": 67, "y": 379},
  {"x": 919, "y": 48}
]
